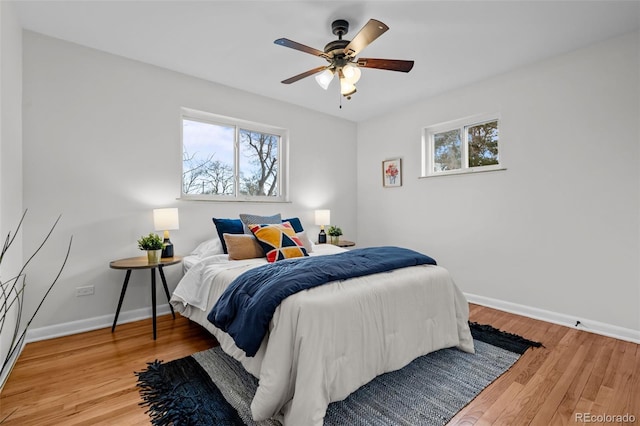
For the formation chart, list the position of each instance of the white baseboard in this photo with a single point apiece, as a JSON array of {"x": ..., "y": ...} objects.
[
  {"x": 95, "y": 323},
  {"x": 585, "y": 324},
  {"x": 10, "y": 364}
]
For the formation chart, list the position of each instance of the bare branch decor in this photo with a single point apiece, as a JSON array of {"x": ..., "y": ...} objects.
[{"x": 12, "y": 293}]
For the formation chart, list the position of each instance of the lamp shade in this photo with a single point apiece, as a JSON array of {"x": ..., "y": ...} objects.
[
  {"x": 324, "y": 78},
  {"x": 323, "y": 217},
  {"x": 346, "y": 88},
  {"x": 351, "y": 73},
  {"x": 166, "y": 219}
]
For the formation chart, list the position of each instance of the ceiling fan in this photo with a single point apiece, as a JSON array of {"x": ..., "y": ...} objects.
[{"x": 341, "y": 55}]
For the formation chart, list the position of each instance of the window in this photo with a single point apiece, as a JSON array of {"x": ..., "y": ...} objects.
[
  {"x": 462, "y": 146},
  {"x": 230, "y": 159}
]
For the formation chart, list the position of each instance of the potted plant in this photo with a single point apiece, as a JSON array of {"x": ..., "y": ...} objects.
[
  {"x": 153, "y": 244},
  {"x": 334, "y": 232}
]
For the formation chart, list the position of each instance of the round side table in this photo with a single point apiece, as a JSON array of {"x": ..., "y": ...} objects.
[{"x": 142, "y": 262}]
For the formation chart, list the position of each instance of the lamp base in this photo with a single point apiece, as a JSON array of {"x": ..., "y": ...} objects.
[
  {"x": 322, "y": 237},
  {"x": 167, "y": 251}
]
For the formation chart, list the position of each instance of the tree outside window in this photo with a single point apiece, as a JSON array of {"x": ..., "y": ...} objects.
[
  {"x": 260, "y": 154},
  {"x": 483, "y": 144},
  {"x": 447, "y": 151},
  {"x": 231, "y": 161}
]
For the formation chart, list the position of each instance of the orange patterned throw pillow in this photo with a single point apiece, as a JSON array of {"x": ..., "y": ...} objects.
[{"x": 279, "y": 241}]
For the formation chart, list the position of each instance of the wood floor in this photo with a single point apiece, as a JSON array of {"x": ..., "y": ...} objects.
[{"x": 87, "y": 379}]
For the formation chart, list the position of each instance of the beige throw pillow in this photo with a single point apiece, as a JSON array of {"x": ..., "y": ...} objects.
[{"x": 242, "y": 246}]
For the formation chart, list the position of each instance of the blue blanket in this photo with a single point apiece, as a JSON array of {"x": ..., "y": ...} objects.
[{"x": 246, "y": 307}]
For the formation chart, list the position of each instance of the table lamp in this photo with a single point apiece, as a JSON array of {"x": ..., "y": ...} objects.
[
  {"x": 323, "y": 217},
  {"x": 166, "y": 220}
]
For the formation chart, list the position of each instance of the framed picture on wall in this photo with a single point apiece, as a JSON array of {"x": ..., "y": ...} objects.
[{"x": 392, "y": 173}]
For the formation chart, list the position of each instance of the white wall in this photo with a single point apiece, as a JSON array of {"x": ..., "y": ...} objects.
[
  {"x": 559, "y": 230},
  {"x": 102, "y": 148},
  {"x": 10, "y": 153}
]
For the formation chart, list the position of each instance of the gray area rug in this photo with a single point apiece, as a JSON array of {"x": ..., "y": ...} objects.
[
  {"x": 211, "y": 388},
  {"x": 428, "y": 391}
]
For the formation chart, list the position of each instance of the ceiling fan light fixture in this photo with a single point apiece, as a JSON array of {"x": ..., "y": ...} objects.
[
  {"x": 351, "y": 73},
  {"x": 325, "y": 78},
  {"x": 341, "y": 55},
  {"x": 347, "y": 88}
]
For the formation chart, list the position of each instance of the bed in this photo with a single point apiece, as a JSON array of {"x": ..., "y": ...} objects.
[{"x": 324, "y": 343}]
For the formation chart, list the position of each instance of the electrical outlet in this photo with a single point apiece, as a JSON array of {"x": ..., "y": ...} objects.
[{"x": 85, "y": 291}]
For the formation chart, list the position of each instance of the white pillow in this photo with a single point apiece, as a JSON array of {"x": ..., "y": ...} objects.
[
  {"x": 306, "y": 242},
  {"x": 208, "y": 248}
]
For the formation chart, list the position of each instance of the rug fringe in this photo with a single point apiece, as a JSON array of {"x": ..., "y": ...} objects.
[
  {"x": 502, "y": 339},
  {"x": 177, "y": 394},
  {"x": 157, "y": 394}
]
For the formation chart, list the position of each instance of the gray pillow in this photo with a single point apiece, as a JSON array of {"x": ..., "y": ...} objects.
[{"x": 255, "y": 219}]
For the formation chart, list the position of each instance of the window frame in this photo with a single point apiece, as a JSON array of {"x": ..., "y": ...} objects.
[
  {"x": 282, "y": 179},
  {"x": 428, "y": 146}
]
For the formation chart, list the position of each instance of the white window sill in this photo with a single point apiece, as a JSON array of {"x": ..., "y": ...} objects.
[
  {"x": 464, "y": 172},
  {"x": 232, "y": 200}
]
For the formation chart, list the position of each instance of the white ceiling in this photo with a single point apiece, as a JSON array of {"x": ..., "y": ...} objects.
[{"x": 453, "y": 43}]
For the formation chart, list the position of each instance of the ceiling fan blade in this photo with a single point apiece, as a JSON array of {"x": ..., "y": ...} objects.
[
  {"x": 371, "y": 31},
  {"x": 298, "y": 46},
  {"x": 304, "y": 74},
  {"x": 386, "y": 64}
]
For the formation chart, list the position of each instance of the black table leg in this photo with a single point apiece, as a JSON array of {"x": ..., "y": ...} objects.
[
  {"x": 153, "y": 299},
  {"x": 124, "y": 289},
  {"x": 166, "y": 290}
]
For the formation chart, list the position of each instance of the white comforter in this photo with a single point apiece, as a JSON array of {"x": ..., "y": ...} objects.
[{"x": 326, "y": 342}]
